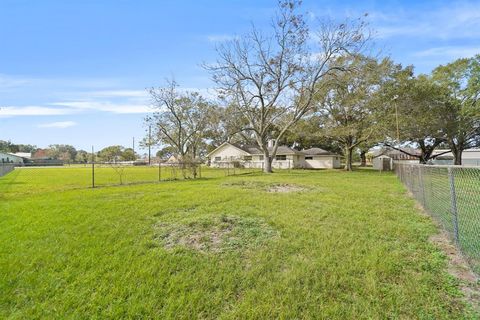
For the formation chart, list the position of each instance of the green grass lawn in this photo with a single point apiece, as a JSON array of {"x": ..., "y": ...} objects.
[{"x": 339, "y": 246}]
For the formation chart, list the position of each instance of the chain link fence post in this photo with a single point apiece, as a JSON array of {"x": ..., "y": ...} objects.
[
  {"x": 453, "y": 199},
  {"x": 93, "y": 168}
]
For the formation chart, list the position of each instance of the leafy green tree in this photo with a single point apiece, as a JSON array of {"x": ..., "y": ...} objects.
[
  {"x": 128, "y": 155},
  {"x": 461, "y": 79},
  {"x": 349, "y": 111},
  {"x": 417, "y": 108},
  {"x": 307, "y": 134},
  {"x": 82, "y": 156},
  {"x": 111, "y": 154},
  {"x": 8, "y": 146},
  {"x": 62, "y": 152},
  {"x": 165, "y": 152}
]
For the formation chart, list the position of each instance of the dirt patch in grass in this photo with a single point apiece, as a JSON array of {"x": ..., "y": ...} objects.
[
  {"x": 285, "y": 188},
  {"x": 267, "y": 187},
  {"x": 215, "y": 234},
  {"x": 460, "y": 269}
]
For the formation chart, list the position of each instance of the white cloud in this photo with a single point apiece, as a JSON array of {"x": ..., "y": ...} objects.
[
  {"x": 7, "y": 82},
  {"x": 117, "y": 94},
  {"x": 105, "y": 106},
  {"x": 451, "y": 52},
  {"x": 72, "y": 97},
  {"x": 453, "y": 21},
  {"x": 59, "y": 125},
  {"x": 220, "y": 37},
  {"x": 11, "y": 111},
  {"x": 74, "y": 107}
]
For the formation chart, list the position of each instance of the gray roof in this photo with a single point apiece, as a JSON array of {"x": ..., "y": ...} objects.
[{"x": 317, "y": 152}]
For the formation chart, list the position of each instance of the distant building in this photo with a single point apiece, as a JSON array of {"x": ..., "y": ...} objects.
[
  {"x": 383, "y": 159},
  {"x": 286, "y": 157},
  {"x": 25, "y": 155},
  {"x": 10, "y": 158},
  {"x": 40, "y": 154},
  {"x": 470, "y": 157},
  {"x": 409, "y": 154}
]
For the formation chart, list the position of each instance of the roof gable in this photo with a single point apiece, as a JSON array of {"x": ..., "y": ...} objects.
[{"x": 226, "y": 144}]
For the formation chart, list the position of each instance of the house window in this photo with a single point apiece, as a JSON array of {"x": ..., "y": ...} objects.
[
  {"x": 308, "y": 158},
  {"x": 281, "y": 157},
  {"x": 260, "y": 158},
  {"x": 247, "y": 158},
  {"x": 218, "y": 158}
]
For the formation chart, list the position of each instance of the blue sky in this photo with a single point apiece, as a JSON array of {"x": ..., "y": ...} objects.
[{"x": 75, "y": 72}]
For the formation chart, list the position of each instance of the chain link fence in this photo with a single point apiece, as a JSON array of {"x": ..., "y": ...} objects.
[
  {"x": 6, "y": 168},
  {"x": 98, "y": 174},
  {"x": 104, "y": 173},
  {"x": 238, "y": 167},
  {"x": 451, "y": 194},
  {"x": 101, "y": 174}
]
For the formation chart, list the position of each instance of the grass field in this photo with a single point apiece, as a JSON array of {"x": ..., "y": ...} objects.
[{"x": 338, "y": 246}]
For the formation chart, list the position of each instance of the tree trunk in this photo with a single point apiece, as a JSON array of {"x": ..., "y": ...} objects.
[
  {"x": 457, "y": 156},
  {"x": 363, "y": 157},
  {"x": 457, "y": 152},
  {"x": 267, "y": 163},
  {"x": 423, "y": 158},
  {"x": 348, "y": 158}
]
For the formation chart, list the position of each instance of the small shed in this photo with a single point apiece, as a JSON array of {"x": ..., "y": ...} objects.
[
  {"x": 383, "y": 163},
  {"x": 316, "y": 158}
]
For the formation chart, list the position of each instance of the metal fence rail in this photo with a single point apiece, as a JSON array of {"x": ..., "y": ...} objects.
[
  {"x": 6, "y": 168},
  {"x": 451, "y": 194}
]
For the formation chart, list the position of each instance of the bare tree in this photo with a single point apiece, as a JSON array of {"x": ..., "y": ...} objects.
[
  {"x": 272, "y": 79},
  {"x": 180, "y": 120}
]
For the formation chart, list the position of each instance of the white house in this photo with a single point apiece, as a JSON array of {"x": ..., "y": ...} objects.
[
  {"x": 10, "y": 158},
  {"x": 252, "y": 157}
]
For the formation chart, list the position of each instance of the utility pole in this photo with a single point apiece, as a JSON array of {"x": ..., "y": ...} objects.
[
  {"x": 133, "y": 145},
  {"x": 149, "y": 143},
  {"x": 396, "y": 117}
]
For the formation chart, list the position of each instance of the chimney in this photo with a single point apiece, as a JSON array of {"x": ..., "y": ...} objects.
[{"x": 270, "y": 143}]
